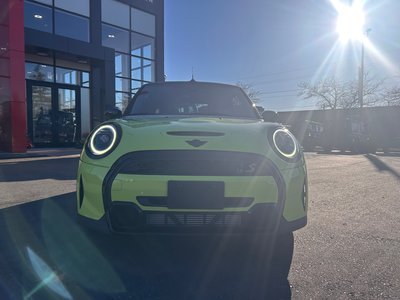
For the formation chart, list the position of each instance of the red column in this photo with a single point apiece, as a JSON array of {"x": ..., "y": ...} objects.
[{"x": 12, "y": 77}]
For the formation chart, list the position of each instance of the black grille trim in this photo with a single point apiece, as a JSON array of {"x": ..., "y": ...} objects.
[
  {"x": 195, "y": 163},
  {"x": 155, "y": 201},
  {"x": 117, "y": 166}
]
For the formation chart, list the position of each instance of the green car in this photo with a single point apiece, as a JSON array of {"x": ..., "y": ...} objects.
[{"x": 192, "y": 157}]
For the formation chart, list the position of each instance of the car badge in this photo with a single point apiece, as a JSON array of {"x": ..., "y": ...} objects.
[{"x": 196, "y": 143}]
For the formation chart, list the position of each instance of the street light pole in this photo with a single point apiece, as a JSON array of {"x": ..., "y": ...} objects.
[{"x": 361, "y": 72}]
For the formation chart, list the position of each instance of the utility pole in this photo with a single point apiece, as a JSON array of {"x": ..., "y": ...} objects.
[{"x": 361, "y": 71}]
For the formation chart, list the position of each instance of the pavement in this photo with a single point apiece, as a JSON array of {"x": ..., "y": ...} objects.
[
  {"x": 349, "y": 249},
  {"x": 38, "y": 174},
  {"x": 40, "y": 152}
]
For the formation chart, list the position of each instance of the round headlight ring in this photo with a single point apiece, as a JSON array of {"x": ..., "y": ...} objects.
[
  {"x": 113, "y": 130},
  {"x": 289, "y": 155}
]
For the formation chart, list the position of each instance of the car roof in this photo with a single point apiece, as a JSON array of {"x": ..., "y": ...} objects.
[{"x": 190, "y": 83}]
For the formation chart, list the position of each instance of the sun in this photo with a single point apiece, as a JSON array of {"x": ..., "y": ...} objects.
[{"x": 350, "y": 22}]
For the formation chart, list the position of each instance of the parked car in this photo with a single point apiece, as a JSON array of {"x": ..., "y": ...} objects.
[{"x": 192, "y": 157}]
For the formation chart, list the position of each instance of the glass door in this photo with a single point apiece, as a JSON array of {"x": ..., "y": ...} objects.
[
  {"x": 53, "y": 114},
  {"x": 66, "y": 121},
  {"x": 41, "y": 115}
]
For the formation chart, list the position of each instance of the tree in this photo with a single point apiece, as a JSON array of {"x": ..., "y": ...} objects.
[
  {"x": 373, "y": 89},
  {"x": 329, "y": 92},
  {"x": 333, "y": 94},
  {"x": 391, "y": 97},
  {"x": 248, "y": 88}
]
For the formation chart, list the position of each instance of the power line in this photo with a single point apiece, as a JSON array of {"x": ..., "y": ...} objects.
[
  {"x": 280, "y": 96},
  {"x": 276, "y": 92},
  {"x": 281, "y": 80},
  {"x": 278, "y": 73}
]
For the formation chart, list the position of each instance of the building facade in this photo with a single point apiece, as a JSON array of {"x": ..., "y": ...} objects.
[{"x": 64, "y": 62}]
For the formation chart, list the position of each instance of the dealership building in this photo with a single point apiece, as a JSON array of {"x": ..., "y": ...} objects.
[{"x": 64, "y": 62}]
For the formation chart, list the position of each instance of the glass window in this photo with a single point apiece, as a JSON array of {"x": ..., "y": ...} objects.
[
  {"x": 85, "y": 82},
  {"x": 67, "y": 76},
  {"x": 85, "y": 112},
  {"x": 122, "y": 84},
  {"x": 136, "y": 62},
  {"x": 77, "y": 6},
  {"x": 48, "y": 2},
  {"x": 193, "y": 99},
  {"x": 115, "y": 38},
  {"x": 72, "y": 26},
  {"x": 143, "y": 22},
  {"x": 121, "y": 65},
  {"x": 142, "y": 45},
  {"x": 148, "y": 72},
  {"x": 38, "y": 17},
  {"x": 137, "y": 74},
  {"x": 136, "y": 85},
  {"x": 39, "y": 72},
  {"x": 121, "y": 100},
  {"x": 66, "y": 100},
  {"x": 115, "y": 13}
]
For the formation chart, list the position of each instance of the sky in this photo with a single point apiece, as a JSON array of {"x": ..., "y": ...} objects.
[{"x": 276, "y": 44}]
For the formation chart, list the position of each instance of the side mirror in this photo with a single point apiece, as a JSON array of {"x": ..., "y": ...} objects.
[
  {"x": 114, "y": 113},
  {"x": 270, "y": 116}
]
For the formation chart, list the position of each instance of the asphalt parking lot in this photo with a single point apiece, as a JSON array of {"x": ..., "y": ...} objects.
[{"x": 349, "y": 250}]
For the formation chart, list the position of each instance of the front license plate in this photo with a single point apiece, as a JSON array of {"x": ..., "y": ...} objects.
[{"x": 196, "y": 194}]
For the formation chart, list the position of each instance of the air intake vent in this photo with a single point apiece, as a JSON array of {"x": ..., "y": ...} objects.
[{"x": 193, "y": 219}]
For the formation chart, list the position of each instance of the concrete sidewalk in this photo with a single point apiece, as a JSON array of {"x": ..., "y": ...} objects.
[{"x": 41, "y": 152}]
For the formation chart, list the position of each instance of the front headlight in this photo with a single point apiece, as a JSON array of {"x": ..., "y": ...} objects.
[
  {"x": 103, "y": 140},
  {"x": 285, "y": 144}
]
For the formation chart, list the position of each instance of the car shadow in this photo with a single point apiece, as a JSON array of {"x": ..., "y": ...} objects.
[
  {"x": 24, "y": 170},
  {"x": 46, "y": 253},
  {"x": 382, "y": 166}
]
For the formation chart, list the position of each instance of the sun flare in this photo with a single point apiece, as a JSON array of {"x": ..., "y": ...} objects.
[{"x": 350, "y": 21}]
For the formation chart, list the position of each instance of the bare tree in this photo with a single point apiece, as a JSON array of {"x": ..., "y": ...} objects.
[
  {"x": 248, "y": 88},
  {"x": 391, "y": 97},
  {"x": 329, "y": 92},
  {"x": 372, "y": 96},
  {"x": 333, "y": 94}
]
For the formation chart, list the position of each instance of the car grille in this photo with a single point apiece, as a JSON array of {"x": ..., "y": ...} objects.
[
  {"x": 195, "y": 163},
  {"x": 193, "y": 219}
]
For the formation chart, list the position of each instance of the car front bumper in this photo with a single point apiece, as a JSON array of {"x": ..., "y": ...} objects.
[{"x": 121, "y": 202}]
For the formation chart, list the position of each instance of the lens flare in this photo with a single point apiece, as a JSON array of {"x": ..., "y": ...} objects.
[{"x": 350, "y": 22}]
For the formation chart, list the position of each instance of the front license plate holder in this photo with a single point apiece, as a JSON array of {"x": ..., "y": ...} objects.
[{"x": 196, "y": 194}]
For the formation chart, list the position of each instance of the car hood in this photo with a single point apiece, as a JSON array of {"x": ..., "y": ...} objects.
[
  {"x": 218, "y": 133},
  {"x": 200, "y": 124},
  {"x": 206, "y": 133}
]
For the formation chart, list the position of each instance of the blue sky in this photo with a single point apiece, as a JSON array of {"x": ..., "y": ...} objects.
[{"x": 274, "y": 45}]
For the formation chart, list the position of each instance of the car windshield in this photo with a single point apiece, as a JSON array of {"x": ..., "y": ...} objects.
[{"x": 192, "y": 99}]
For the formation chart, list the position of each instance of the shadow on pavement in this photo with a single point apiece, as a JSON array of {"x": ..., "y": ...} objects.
[
  {"x": 46, "y": 254},
  {"x": 382, "y": 166},
  {"x": 389, "y": 154},
  {"x": 337, "y": 153},
  {"x": 58, "y": 168}
]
